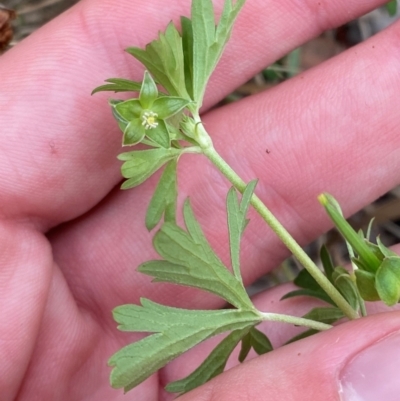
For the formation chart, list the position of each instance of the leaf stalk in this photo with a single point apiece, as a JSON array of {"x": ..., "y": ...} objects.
[{"x": 298, "y": 321}]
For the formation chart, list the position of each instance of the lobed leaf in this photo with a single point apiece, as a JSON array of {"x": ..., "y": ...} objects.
[
  {"x": 189, "y": 260},
  {"x": 164, "y": 59},
  {"x": 176, "y": 330},
  {"x": 141, "y": 164}
]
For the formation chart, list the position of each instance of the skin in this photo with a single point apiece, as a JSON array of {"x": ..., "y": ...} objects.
[{"x": 70, "y": 240}]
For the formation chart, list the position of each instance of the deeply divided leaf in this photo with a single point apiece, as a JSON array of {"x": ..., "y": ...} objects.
[
  {"x": 176, "y": 330},
  {"x": 164, "y": 59},
  {"x": 141, "y": 164},
  {"x": 189, "y": 260}
]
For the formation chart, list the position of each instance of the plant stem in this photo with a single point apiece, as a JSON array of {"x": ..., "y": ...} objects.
[
  {"x": 298, "y": 321},
  {"x": 277, "y": 227}
]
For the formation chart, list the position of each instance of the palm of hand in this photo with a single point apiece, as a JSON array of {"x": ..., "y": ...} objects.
[{"x": 70, "y": 241}]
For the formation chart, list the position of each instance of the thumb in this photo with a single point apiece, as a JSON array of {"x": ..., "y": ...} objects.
[{"x": 356, "y": 361}]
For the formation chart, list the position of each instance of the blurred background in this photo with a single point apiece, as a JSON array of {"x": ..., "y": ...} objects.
[{"x": 19, "y": 18}]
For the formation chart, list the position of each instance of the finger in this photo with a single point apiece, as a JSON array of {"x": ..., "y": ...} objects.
[
  {"x": 59, "y": 153},
  {"x": 330, "y": 145},
  {"x": 25, "y": 274},
  {"x": 351, "y": 361}
]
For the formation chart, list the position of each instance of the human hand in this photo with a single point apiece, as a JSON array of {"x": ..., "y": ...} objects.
[{"x": 70, "y": 240}]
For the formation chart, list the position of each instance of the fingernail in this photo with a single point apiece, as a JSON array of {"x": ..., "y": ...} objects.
[{"x": 373, "y": 374}]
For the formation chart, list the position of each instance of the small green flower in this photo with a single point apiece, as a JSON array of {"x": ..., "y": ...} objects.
[{"x": 146, "y": 115}]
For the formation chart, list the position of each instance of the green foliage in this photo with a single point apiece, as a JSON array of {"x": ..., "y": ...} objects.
[
  {"x": 359, "y": 245},
  {"x": 139, "y": 165},
  {"x": 166, "y": 124},
  {"x": 164, "y": 199},
  {"x": 377, "y": 274},
  {"x": 309, "y": 287},
  {"x": 189, "y": 260},
  {"x": 387, "y": 280},
  {"x": 119, "y": 85},
  {"x": 183, "y": 62},
  {"x": 175, "y": 331},
  {"x": 165, "y": 61},
  {"x": 211, "y": 367},
  {"x": 237, "y": 222},
  {"x": 324, "y": 315},
  {"x": 209, "y": 41}
]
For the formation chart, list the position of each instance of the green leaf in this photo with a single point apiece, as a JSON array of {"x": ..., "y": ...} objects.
[
  {"x": 203, "y": 25},
  {"x": 343, "y": 282},
  {"x": 320, "y": 294},
  {"x": 324, "y": 315},
  {"x": 358, "y": 244},
  {"x": 387, "y": 280},
  {"x": 187, "y": 45},
  {"x": 392, "y": 7},
  {"x": 211, "y": 367},
  {"x": 245, "y": 347},
  {"x": 326, "y": 262},
  {"x": 177, "y": 330},
  {"x": 163, "y": 201},
  {"x": 119, "y": 85},
  {"x": 167, "y": 106},
  {"x": 209, "y": 41},
  {"x": 141, "y": 164},
  {"x": 189, "y": 260},
  {"x": 237, "y": 222},
  {"x": 260, "y": 342},
  {"x": 164, "y": 59},
  {"x": 305, "y": 280},
  {"x": 366, "y": 285},
  {"x": 148, "y": 92}
]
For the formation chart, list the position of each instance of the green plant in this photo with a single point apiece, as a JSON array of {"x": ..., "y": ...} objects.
[{"x": 165, "y": 118}]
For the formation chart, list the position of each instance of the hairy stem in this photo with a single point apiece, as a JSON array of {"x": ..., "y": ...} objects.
[
  {"x": 275, "y": 225},
  {"x": 298, "y": 321}
]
